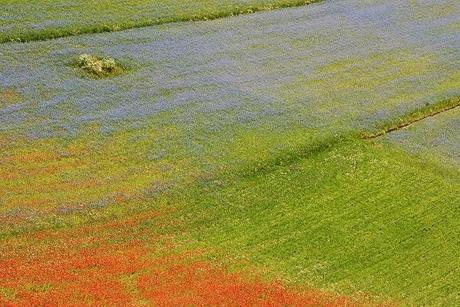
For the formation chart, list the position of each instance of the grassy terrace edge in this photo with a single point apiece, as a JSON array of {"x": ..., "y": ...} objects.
[
  {"x": 413, "y": 117},
  {"x": 48, "y": 34}
]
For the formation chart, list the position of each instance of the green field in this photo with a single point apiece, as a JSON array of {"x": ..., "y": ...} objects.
[
  {"x": 310, "y": 151},
  {"x": 356, "y": 216},
  {"x": 21, "y": 20}
]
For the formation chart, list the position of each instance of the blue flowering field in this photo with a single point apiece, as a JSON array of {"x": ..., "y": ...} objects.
[{"x": 230, "y": 152}]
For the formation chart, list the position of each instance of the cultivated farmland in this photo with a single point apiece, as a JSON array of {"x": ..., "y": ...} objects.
[{"x": 290, "y": 155}]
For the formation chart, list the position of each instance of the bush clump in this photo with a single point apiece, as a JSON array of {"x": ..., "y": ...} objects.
[{"x": 99, "y": 66}]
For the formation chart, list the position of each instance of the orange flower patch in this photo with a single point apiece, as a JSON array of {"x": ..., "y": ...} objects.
[
  {"x": 89, "y": 276},
  {"x": 125, "y": 275},
  {"x": 199, "y": 284},
  {"x": 112, "y": 264}
]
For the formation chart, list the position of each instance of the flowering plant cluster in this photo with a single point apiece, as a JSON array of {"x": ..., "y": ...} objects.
[{"x": 99, "y": 66}]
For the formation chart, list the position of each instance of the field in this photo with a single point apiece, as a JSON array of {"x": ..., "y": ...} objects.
[
  {"x": 21, "y": 20},
  {"x": 290, "y": 155}
]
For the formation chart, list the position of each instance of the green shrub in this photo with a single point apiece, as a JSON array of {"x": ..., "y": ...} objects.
[{"x": 99, "y": 66}]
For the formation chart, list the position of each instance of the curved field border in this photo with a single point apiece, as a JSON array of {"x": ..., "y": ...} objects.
[{"x": 118, "y": 22}]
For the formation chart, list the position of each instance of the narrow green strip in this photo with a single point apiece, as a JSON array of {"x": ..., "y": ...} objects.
[
  {"x": 413, "y": 117},
  {"x": 53, "y": 33}
]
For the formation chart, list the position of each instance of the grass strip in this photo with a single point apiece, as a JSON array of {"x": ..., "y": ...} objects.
[
  {"x": 413, "y": 117},
  {"x": 53, "y": 33}
]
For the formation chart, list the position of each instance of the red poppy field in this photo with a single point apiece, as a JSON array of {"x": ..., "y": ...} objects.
[{"x": 80, "y": 268}]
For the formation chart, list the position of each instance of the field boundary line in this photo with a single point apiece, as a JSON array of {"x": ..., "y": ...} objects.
[
  {"x": 414, "y": 117},
  {"x": 50, "y": 34}
]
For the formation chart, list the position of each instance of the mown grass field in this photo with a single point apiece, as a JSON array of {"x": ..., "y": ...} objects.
[{"x": 252, "y": 157}]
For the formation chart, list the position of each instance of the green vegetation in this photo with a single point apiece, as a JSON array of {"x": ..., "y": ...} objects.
[
  {"x": 100, "y": 67},
  {"x": 356, "y": 216},
  {"x": 341, "y": 214},
  {"x": 417, "y": 115},
  {"x": 435, "y": 138},
  {"x": 48, "y": 19},
  {"x": 265, "y": 145}
]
